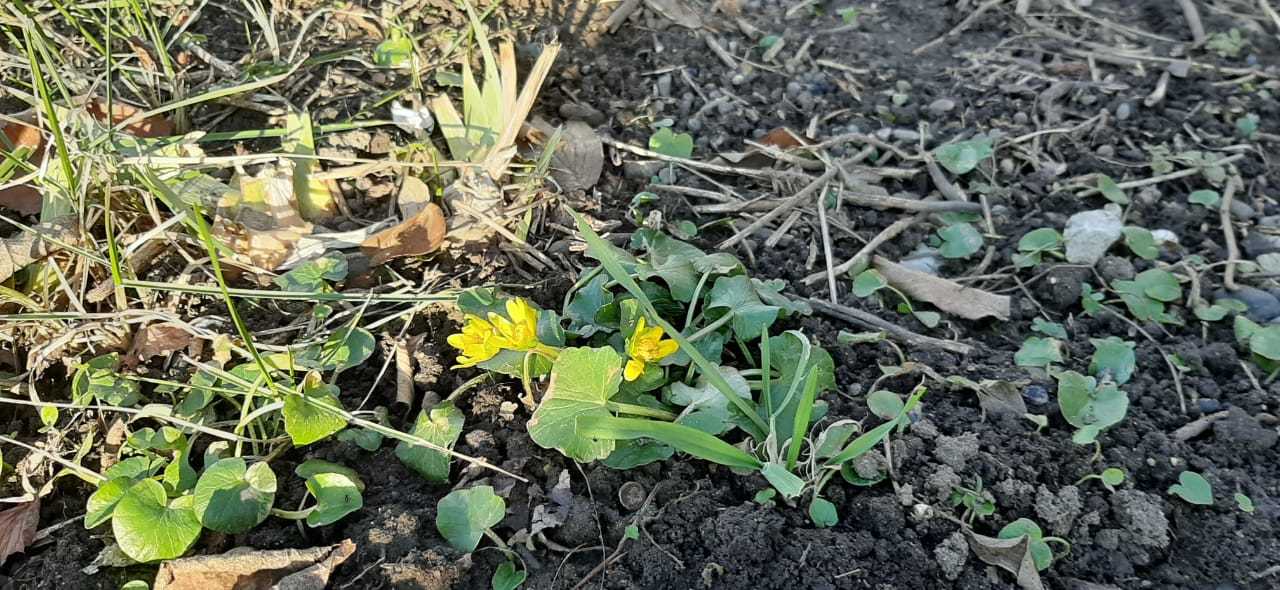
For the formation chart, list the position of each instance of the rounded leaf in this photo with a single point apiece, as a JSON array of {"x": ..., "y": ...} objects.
[
  {"x": 823, "y": 513},
  {"x": 336, "y": 496},
  {"x": 463, "y": 515},
  {"x": 1193, "y": 488},
  {"x": 149, "y": 527},
  {"x": 232, "y": 498}
]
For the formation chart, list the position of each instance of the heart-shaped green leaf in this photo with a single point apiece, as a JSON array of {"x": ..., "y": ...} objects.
[
  {"x": 867, "y": 282},
  {"x": 884, "y": 404},
  {"x": 1089, "y": 406},
  {"x": 345, "y": 348},
  {"x": 311, "y": 276},
  {"x": 1041, "y": 554},
  {"x": 1038, "y": 352},
  {"x": 1111, "y": 190},
  {"x": 963, "y": 156},
  {"x": 441, "y": 425},
  {"x": 1193, "y": 488},
  {"x": 306, "y": 418},
  {"x": 823, "y": 513},
  {"x": 959, "y": 240},
  {"x": 582, "y": 382},
  {"x": 232, "y": 498},
  {"x": 103, "y": 501},
  {"x": 336, "y": 496},
  {"x": 507, "y": 577},
  {"x": 99, "y": 379},
  {"x": 1113, "y": 356},
  {"x": 1208, "y": 198},
  {"x": 1141, "y": 242},
  {"x": 150, "y": 527},
  {"x": 394, "y": 52},
  {"x": 463, "y": 515},
  {"x": 669, "y": 143}
]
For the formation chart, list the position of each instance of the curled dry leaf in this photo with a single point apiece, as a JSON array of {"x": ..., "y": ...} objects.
[
  {"x": 29, "y": 246},
  {"x": 18, "y": 528},
  {"x": 579, "y": 160},
  {"x": 1010, "y": 555},
  {"x": 677, "y": 11},
  {"x": 23, "y": 198},
  {"x": 421, "y": 234},
  {"x": 153, "y": 126},
  {"x": 946, "y": 295},
  {"x": 261, "y": 223},
  {"x": 245, "y": 568},
  {"x": 156, "y": 340},
  {"x": 413, "y": 197}
]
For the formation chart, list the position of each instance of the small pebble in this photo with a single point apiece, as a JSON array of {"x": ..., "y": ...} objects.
[
  {"x": 942, "y": 106},
  {"x": 1124, "y": 111},
  {"x": 1208, "y": 405},
  {"x": 1036, "y": 394}
]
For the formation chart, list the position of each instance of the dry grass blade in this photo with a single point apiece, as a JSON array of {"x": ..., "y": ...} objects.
[
  {"x": 499, "y": 158},
  {"x": 30, "y": 246},
  {"x": 949, "y": 296}
]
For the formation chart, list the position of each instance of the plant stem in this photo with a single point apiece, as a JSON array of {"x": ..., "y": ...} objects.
[
  {"x": 638, "y": 410},
  {"x": 292, "y": 514},
  {"x": 712, "y": 327}
]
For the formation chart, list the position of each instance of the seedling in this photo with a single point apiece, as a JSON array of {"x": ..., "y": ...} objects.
[
  {"x": 976, "y": 502},
  {"x": 1090, "y": 405},
  {"x": 1038, "y": 544},
  {"x": 962, "y": 157},
  {"x": 669, "y": 143},
  {"x": 1110, "y": 478},
  {"x": 1244, "y": 503},
  {"x": 869, "y": 281},
  {"x": 1227, "y": 44},
  {"x": 1111, "y": 190},
  {"x": 959, "y": 240},
  {"x": 1035, "y": 245},
  {"x": 1048, "y": 328},
  {"x": 1147, "y": 294},
  {"x": 465, "y": 516},
  {"x": 1193, "y": 488},
  {"x": 1038, "y": 352},
  {"x": 1205, "y": 197},
  {"x": 1141, "y": 242},
  {"x": 1113, "y": 359}
]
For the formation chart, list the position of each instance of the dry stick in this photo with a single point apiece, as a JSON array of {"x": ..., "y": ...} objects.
[
  {"x": 1229, "y": 234},
  {"x": 694, "y": 164},
  {"x": 1164, "y": 177},
  {"x": 1192, "y": 15},
  {"x": 1173, "y": 370},
  {"x": 964, "y": 24},
  {"x": 882, "y": 202},
  {"x": 786, "y": 205},
  {"x": 620, "y": 15},
  {"x": 864, "y": 254},
  {"x": 826, "y": 248},
  {"x": 1271, "y": 12},
  {"x": 894, "y": 331}
]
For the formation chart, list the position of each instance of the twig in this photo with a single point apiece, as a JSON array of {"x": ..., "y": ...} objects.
[
  {"x": 1229, "y": 234},
  {"x": 1271, "y": 12},
  {"x": 1192, "y": 14},
  {"x": 620, "y": 15},
  {"x": 826, "y": 247},
  {"x": 694, "y": 164},
  {"x": 894, "y": 331},
  {"x": 786, "y": 205},
  {"x": 1164, "y": 177},
  {"x": 964, "y": 24},
  {"x": 863, "y": 255}
]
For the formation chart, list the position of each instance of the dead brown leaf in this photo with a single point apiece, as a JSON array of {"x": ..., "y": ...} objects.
[
  {"x": 578, "y": 162},
  {"x": 1011, "y": 555},
  {"x": 29, "y": 246},
  {"x": 18, "y": 528},
  {"x": 413, "y": 197},
  {"x": 248, "y": 569},
  {"x": 23, "y": 198},
  {"x": 153, "y": 126},
  {"x": 782, "y": 138},
  {"x": 946, "y": 295},
  {"x": 421, "y": 234},
  {"x": 156, "y": 340},
  {"x": 261, "y": 223}
]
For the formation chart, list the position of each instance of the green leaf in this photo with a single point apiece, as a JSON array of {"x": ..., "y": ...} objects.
[
  {"x": 306, "y": 418},
  {"x": 1048, "y": 328},
  {"x": 737, "y": 295},
  {"x": 463, "y": 515},
  {"x": 1247, "y": 125},
  {"x": 1038, "y": 352},
  {"x": 135, "y": 585},
  {"x": 704, "y": 407},
  {"x": 930, "y": 319},
  {"x": 150, "y": 527},
  {"x": 884, "y": 404},
  {"x": 685, "y": 439},
  {"x": 959, "y": 240},
  {"x": 788, "y": 484},
  {"x": 1034, "y": 244},
  {"x": 674, "y": 261},
  {"x": 1159, "y": 284},
  {"x": 963, "y": 156},
  {"x": 345, "y": 348},
  {"x": 629, "y": 454},
  {"x": 834, "y": 437},
  {"x": 1111, "y": 190},
  {"x": 395, "y": 51},
  {"x": 311, "y": 467},
  {"x": 1113, "y": 356},
  {"x": 867, "y": 282},
  {"x": 1041, "y": 554},
  {"x": 1244, "y": 503},
  {"x": 823, "y": 513},
  {"x": 1265, "y": 342},
  {"x": 311, "y": 276},
  {"x": 765, "y": 496},
  {"x": 1088, "y": 406},
  {"x": 1193, "y": 488},
  {"x": 1141, "y": 243},
  {"x": 585, "y": 304},
  {"x": 336, "y": 496},
  {"x": 102, "y": 502},
  {"x": 668, "y": 143},
  {"x": 873, "y": 437},
  {"x": 582, "y": 382},
  {"x": 232, "y": 498},
  {"x": 1208, "y": 198},
  {"x": 1113, "y": 476},
  {"x": 788, "y": 352},
  {"x": 99, "y": 380},
  {"x": 507, "y": 577},
  {"x": 441, "y": 425}
]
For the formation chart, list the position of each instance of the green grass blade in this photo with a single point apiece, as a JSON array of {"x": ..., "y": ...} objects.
[
  {"x": 801, "y": 425},
  {"x": 603, "y": 251},
  {"x": 683, "y": 438},
  {"x": 871, "y": 438}
]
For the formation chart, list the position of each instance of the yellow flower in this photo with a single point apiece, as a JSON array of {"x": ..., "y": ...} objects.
[
  {"x": 478, "y": 342},
  {"x": 520, "y": 331},
  {"x": 646, "y": 346}
]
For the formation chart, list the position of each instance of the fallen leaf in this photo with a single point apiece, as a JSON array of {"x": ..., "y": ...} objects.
[
  {"x": 29, "y": 246},
  {"x": 1011, "y": 555},
  {"x": 261, "y": 223},
  {"x": 249, "y": 569},
  {"x": 153, "y": 126},
  {"x": 156, "y": 340},
  {"x": 677, "y": 12},
  {"x": 23, "y": 198},
  {"x": 421, "y": 234},
  {"x": 1002, "y": 398},
  {"x": 18, "y": 528},
  {"x": 578, "y": 162},
  {"x": 946, "y": 295},
  {"x": 413, "y": 197},
  {"x": 782, "y": 138}
]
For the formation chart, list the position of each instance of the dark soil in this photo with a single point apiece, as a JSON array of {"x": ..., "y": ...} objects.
[{"x": 701, "y": 528}]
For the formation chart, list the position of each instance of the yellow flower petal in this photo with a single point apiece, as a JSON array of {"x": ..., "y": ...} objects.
[
  {"x": 667, "y": 348},
  {"x": 634, "y": 369}
]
